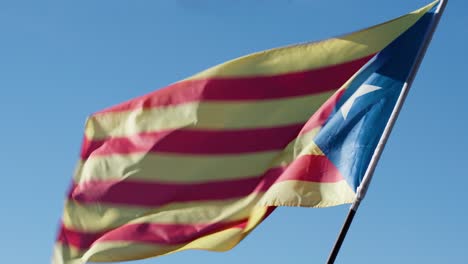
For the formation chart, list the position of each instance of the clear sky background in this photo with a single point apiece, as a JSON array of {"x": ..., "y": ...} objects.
[{"x": 62, "y": 60}]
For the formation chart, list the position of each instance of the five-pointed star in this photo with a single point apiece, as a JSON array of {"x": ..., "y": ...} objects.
[{"x": 362, "y": 90}]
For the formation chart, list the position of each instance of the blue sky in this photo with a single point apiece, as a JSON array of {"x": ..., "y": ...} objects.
[{"x": 62, "y": 60}]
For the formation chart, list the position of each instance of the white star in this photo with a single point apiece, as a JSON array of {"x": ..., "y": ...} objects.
[{"x": 362, "y": 90}]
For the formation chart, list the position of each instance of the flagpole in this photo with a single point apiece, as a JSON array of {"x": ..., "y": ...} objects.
[{"x": 362, "y": 189}]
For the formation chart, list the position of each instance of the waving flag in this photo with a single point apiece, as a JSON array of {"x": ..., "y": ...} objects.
[{"x": 200, "y": 163}]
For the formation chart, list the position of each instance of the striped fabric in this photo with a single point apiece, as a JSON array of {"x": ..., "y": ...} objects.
[{"x": 200, "y": 163}]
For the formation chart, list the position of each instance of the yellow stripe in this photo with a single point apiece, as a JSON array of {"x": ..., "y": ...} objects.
[
  {"x": 175, "y": 168},
  {"x": 102, "y": 216},
  {"x": 180, "y": 168},
  {"x": 109, "y": 252},
  {"x": 308, "y": 194},
  {"x": 122, "y": 251},
  {"x": 227, "y": 239},
  {"x": 316, "y": 54},
  {"x": 63, "y": 254},
  {"x": 206, "y": 115}
]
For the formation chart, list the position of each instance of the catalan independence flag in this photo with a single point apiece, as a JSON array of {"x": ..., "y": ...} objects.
[{"x": 200, "y": 163}]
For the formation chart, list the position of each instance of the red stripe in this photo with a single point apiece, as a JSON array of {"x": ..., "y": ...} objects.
[
  {"x": 308, "y": 168},
  {"x": 247, "y": 88},
  {"x": 165, "y": 234},
  {"x": 195, "y": 141}
]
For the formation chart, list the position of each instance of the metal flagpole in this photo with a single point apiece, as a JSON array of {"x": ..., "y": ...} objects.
[{"x": 362, "y": 189}]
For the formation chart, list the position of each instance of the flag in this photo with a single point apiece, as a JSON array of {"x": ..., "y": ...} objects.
[{"x": 200, "y": 163}]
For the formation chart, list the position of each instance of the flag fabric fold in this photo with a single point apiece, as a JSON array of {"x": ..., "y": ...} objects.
[{"x": 200, "y": 163}]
